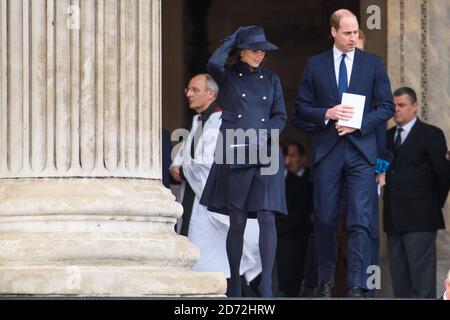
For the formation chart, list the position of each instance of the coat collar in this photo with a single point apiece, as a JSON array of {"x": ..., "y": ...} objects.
[
  {"x": 409, "y": 141},
  {"x": 244, "y": 68}
]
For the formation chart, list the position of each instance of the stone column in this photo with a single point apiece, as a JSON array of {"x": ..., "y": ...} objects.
[
  {"x": 82, "y": 207},
  {"x": 418, "y": 48}
]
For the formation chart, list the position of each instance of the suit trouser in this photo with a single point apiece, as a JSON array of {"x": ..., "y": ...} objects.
[
  {"x": 291, "y": 256},
  {"x": 412, "y": 260},
  {"x": 344, "y": 163}
]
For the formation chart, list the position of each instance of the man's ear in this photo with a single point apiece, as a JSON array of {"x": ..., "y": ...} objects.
[{"x": 333, "y": 32}]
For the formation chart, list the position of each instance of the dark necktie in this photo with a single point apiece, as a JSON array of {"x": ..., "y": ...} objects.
[
  {"x": 343, "y": 78},
  {"x": 398, "y": 139}
]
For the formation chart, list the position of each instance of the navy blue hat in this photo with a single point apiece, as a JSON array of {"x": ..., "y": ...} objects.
[{"x": 253, "y": 38}]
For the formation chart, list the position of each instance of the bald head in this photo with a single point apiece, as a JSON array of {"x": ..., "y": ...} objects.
[
  {"x": 336, "y": 17},
  {"x": 201, "y": 92}
]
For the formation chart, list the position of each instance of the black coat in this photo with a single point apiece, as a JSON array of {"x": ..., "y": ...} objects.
[
  {"x": 299, "y": 200},
  {"x": 417, "y": 182}
]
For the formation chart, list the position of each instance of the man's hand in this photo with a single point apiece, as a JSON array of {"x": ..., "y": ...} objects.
[
  {"x": 175, "y": 172},
  {"x": 342, "y": 131},
  {"x": 339, "y": 112},
  {"x": 381, "y": 180}
]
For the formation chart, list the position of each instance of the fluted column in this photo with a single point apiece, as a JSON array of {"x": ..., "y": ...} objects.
[{"x": 82, "y": 207}]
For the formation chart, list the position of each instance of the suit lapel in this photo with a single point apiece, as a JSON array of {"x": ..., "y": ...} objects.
[
  {"x": 390, "y": 139},
  {"x": 412, "y": 136},
  {"x": 355, "y": 69},
  {"x": 331, "y": 72}
]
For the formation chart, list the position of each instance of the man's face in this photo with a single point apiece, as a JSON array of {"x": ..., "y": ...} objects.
[
  {"x": 405, "y": 110},
  {"x": 198, "y": 95},
  {"x": 294, "y": 161},
  {"x": 346, "y": 36}
]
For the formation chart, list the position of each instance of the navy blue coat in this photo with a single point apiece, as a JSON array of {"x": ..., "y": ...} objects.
[
  {"x": 251, "y": 99},
  {"x": 319, "y": 92}
]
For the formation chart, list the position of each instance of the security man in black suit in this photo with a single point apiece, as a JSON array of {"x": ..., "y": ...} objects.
[
  {"x": 293, "y": 230},
  {"x": 417, "y": 185}
]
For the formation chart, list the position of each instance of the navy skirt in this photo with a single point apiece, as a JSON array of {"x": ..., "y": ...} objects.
[{"x": 245, "y": 190}]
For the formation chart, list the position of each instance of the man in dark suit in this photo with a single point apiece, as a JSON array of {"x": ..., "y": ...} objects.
[
  {"x": 417, "y": 184},
  {"x": 293, "y": 230},
  {"x": 342, "y": 154}
]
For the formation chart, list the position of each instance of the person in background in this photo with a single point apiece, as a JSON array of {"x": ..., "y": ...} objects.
[
  {"x": 417, "y": 185},
  {"x": 191, "y": 165},
  {"x": 293, "y": 230}
]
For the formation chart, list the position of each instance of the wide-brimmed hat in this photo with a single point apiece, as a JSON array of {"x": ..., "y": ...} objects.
[{"x": 253, "y": 38}]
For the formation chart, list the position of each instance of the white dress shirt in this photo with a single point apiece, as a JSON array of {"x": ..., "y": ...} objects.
[
  {"x": 406, "y": 130},
  {"x": 298, "y": 174},
  {"x": 350, "y": 57}
]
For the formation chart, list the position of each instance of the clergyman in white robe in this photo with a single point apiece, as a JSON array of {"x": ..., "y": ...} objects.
[{"x": 208, "y": 230}]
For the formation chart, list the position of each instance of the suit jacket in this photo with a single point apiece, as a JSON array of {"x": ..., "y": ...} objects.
[
  {"x": 417, "y": 182},
  {"x": 318, "y": 92},
  {"x": 299, "y": 200}
]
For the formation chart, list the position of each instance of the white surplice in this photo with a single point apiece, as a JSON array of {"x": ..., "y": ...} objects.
[{"x": 208, "y": 230}]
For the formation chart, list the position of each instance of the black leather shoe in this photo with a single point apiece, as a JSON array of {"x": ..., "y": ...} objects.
[
  {"x": 307, "y": 291},
  {"x": 324, "y": 290},
  {"x": 356, "y": 293}
]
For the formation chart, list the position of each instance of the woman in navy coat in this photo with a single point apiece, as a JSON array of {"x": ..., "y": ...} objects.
[{"x": 252, "y": 98}]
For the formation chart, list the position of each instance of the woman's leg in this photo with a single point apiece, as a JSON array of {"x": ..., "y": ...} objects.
[
  {"x": 235, "y": 243},
  {"x": 267, "y": 249}
]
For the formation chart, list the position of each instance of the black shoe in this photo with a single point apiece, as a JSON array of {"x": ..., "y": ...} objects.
[
  {"x": 324, "y": 290},
  {"x": 307, "y": 291},
  {"x": 356, "y": 293}
]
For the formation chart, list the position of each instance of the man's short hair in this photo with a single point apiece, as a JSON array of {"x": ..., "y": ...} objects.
[
  {"x": 300, "y": 147},
  {"x": 361, "y": 35},
  {"x": 211, "y": 84},
  {"x": 408, "y": 91},
  {"x": 335, "y": 20}
]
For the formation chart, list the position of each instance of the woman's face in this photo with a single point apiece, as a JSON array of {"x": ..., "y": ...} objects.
[{"x": 253, "y": 58}]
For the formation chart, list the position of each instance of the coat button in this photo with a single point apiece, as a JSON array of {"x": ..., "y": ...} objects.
[
  {"x": 263, "y": 120},
  {"x": 243, "y": 95},
  {"x": 239, "y": 116},
  {"x": 261, "y": 77},
  {"x": 264, "y": 98},
  {"x": 240, "y": 74}
]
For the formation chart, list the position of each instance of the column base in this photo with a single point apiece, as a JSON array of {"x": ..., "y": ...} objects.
[{"x": 96, "y": 237}]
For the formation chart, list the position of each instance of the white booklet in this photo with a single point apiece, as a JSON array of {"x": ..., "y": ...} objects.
[{"x": 357, "y": 102}]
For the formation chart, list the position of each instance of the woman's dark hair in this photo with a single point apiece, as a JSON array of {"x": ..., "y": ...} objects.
[{"x": 233, "y": 57}]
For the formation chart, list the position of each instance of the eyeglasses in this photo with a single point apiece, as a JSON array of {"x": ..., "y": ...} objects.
[{"x": 195, "y": 90}]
